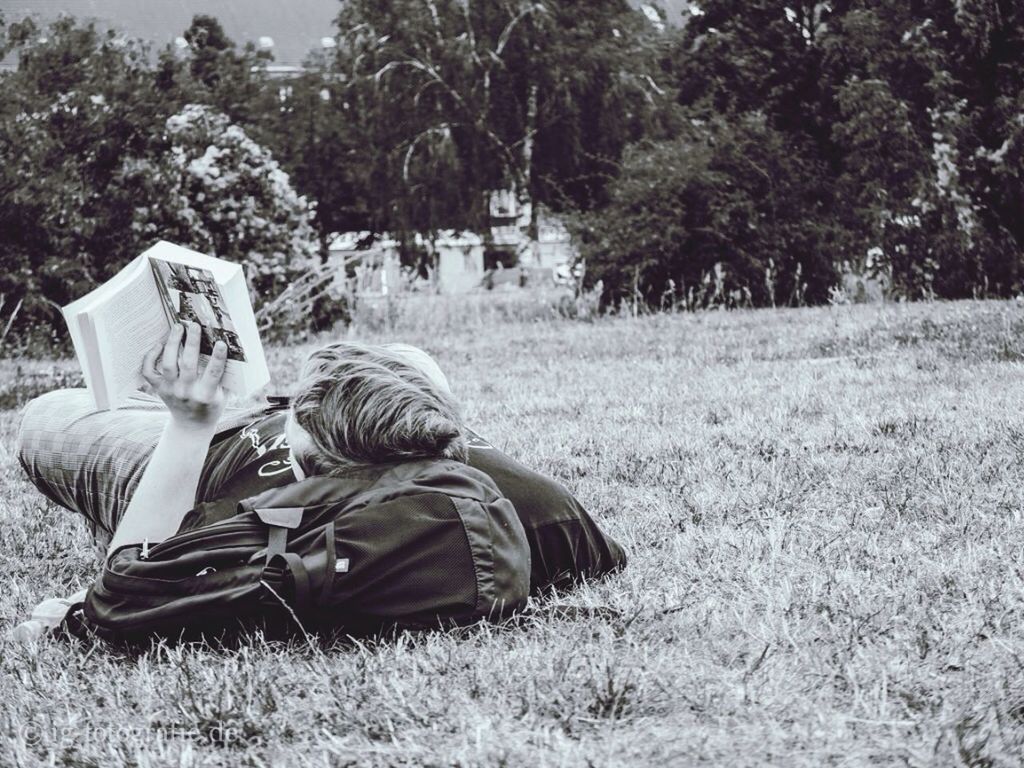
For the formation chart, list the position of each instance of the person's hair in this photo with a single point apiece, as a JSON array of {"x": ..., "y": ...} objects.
[{"x": 365, "y": 405}]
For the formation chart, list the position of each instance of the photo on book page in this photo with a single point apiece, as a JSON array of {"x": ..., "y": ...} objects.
[{"x": 191, "y": 294}]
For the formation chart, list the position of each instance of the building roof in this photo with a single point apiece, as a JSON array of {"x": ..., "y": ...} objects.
[{"x": 295, "y": 26}]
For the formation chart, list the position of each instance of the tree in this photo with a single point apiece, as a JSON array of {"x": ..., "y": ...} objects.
[
  {"x": 318, "y": 135},
  {"x": 737, "y": 57},
  {"x": 904, "y": 106},
  {"x": 76, "y": 109},
  {"x": 100, "y": 158},
  {"x": 211, "y": 70},
  {"x": 986, "y": 45},
  {"x": 464, "y": 98},
  {"x": 217, "y": 191},
  {"x": 726, "y": 214},
  {"x": 936, "y": 226}
]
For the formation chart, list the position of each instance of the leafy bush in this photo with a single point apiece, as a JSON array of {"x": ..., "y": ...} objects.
[
  {"x": 101, "y": 159},
  {"x": 905, "y": 202},
  {"x": 72, "y": 113},
  {"x": 723, "y": 215},
  {"x": 911, "y": 110},
  {"x": 217, "y": 191}
]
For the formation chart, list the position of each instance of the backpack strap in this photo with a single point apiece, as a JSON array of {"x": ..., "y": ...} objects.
[
  {"x": 277, "y": 542},
  {"x": 291, "y": 567},
  {"x": 330, "y": 566},
  {"x": 278, "y": 403},
  {"x": 281, "y": 565}
]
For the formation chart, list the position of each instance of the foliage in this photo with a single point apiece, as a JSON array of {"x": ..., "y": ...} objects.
[
  {"x": 788, "y": 143},
  {"x": 77, "y": 107},
  {"x": 102, "y": 157},
  {"x": 420, "y": 112},
  {"x": 212, "y": 71},
  {"x": 313, "y": 301},
  {"x": 319, "y": 133},
  {"x": 217, "y": 191},
  {"x": 461, "y": 98},
  {"x": 724, "y": 215},
  {"x": 913, "y": 110}
]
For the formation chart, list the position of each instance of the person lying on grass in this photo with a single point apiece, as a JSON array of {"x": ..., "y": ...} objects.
[{"x": 180, "y": 460}]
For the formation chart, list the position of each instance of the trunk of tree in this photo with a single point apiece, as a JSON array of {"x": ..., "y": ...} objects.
[
  {"x": 528, "y": 246},
  {"x": 325, "y": 243}
]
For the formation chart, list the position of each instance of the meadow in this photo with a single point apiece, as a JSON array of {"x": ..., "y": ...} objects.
[{"x": 822, "y": 509}]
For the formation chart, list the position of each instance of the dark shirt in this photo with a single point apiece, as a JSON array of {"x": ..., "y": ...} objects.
[{"x": 565, "y": 543}]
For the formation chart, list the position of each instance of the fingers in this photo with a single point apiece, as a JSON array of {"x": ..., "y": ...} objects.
[
  {"x": 169, "y": 359},
  {"x": 149, "y": 371},
  {"x": 188, "y": 365},
  {"x": 215, "y": 368}
]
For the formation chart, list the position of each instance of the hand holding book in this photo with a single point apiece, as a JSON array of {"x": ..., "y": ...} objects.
[
  {"x": 194, "y": 398},
  {"x": 113, "y": 326},
  {"x": 167, "y": 488}
]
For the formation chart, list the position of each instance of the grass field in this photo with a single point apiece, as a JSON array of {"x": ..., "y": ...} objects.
[{"x": 823, "y": 513}]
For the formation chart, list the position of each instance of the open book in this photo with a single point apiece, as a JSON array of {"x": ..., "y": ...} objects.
[{"x": 114, "y": 326}]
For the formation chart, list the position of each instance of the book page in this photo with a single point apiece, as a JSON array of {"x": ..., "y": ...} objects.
[
  {"x": 254, "y": 373},
  {"x": 76, "y": 315},
  {"x": 127, "y": 326},
  {"x": 84, "y": 336}
]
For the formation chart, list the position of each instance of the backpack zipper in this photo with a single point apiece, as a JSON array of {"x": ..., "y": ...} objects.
[{"x": 160, "y": 550}]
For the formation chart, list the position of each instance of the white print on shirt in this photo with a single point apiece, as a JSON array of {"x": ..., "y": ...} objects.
[
  {"x": 251, "y": 434},
  {"x": 277, "y": 443},
  {"x": 275, "y": 467}
]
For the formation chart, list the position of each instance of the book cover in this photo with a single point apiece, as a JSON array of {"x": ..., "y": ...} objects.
[{"x": 192, "y": 294}]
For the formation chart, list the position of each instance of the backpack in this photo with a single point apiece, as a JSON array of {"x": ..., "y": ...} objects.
[{"x": 407, "y": 546}]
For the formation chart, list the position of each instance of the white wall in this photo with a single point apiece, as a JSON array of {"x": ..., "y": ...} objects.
[{"x": 459, "y": 268}]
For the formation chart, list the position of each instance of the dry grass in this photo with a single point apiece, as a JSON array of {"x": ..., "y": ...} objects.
[{"x": 823, "y": 510}]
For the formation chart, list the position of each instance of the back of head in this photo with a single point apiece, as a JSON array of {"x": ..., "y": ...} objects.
[
  {"x": 422, "y": 361},
  {"x": 364, "y": 405}
]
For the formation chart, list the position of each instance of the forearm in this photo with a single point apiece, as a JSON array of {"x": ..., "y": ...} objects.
[{"x": 168, "y": 486}]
